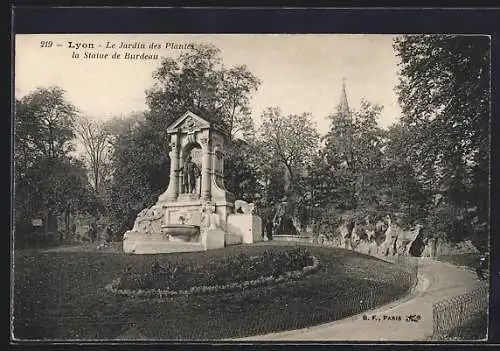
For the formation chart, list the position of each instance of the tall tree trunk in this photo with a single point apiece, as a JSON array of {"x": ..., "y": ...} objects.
[{"x": 67, "y": 220}]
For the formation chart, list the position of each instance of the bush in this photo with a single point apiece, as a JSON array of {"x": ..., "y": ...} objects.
[
  {"x": 450, "y": 222},
  {"x": 236, "y": 269},
  {"x": 23, "y": 234},
  {"x": 326, "y": 223}
]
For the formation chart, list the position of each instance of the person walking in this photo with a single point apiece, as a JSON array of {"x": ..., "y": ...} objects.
[
  {"x": 109, "y": 234},
  {"x": 93, "y": 232}
]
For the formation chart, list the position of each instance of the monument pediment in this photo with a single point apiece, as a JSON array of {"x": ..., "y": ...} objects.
[{"x": 188, "y": 122}]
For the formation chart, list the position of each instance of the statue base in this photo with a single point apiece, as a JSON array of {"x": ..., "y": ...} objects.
[
  {"x": 186, "y": 225},
  {"x": 139, "y": 243},
  {"x": 247, "y": 227}
]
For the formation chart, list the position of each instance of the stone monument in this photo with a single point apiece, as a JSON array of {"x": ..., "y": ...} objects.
[{"x": 196, "y": 212}]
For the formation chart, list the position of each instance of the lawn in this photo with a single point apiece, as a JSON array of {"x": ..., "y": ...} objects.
[{"x": 61, "y": 295}]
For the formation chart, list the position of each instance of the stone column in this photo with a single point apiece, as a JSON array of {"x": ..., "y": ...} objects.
[
  {"x": 173, "y": 186},
  {"x": 179, "y": 175},
  {"x": 206, "y": 165},
  {"x": 218, "y": 156}
]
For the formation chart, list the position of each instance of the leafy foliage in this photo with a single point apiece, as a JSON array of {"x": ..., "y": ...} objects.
[
  {"x": 44, "y": 125},
  {"x": 198, "y": 81},
  {"x": 48, "y": 180},
  {"x": 353, "y": 155},
  {"x": 286, "y": 147},
  {"x": 444, "y": 93},
  {"x": 448, "y": 221},
  {"x": 141, "y": 172},
  {"x": 242, "y": 176},
  {"x": 290, "y": 140},
  {"x": 354, "y": 139}
]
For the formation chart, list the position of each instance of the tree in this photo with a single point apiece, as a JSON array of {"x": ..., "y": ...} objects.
[
  {"x": 444, "y": 94},
  {"x": 236, "y": 86},
  {"x": 44, "y": 124},
  {"x": 241, "y": 172},
  {"x": 48, "y": 181},
  {"x": 43, "y": 135},
  {"x": 199, "y": 82},
  {"x": 140, "y": 170},
  {"x": 68, "y": 191},
  {"x": 368, "y": 136},
  {"x": 353, "y": 151},
  {"x": 286, "y": 147},
  {"x": 445, "y": 97},
  {"x": 95, "y": 138},
  {"x": 398, "y": 181},
  {"x": 290, "y": 140}
]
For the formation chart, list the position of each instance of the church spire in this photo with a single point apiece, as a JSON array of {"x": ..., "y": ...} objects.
[{"x": 344, "y": 105}]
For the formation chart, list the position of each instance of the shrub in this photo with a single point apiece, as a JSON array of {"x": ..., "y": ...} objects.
[
  {"x": 326, "y": 222},
  {"x": 449, "y": 221}
]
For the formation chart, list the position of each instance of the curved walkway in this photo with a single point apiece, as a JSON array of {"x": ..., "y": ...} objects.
[{"x": 437, "y": 281}]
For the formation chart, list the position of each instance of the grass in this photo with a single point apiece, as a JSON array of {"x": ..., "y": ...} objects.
[{"x": 61, "y": 295}]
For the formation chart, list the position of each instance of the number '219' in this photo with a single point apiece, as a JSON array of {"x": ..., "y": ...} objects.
[{"x": 46, "y": 44}]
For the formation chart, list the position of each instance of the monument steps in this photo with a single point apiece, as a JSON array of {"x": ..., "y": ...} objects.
[{"x": 155, "y": 247}]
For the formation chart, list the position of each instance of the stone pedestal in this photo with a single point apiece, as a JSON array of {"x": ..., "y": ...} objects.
[
  {"x": 215, "y": 239},
  {"x": 246, "y": 226}
]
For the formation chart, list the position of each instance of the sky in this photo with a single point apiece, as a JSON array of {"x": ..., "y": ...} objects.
[{"x": 299, "y": 73}]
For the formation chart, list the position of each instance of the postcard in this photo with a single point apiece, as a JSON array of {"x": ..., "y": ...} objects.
[{"x": 256, "y": 187}]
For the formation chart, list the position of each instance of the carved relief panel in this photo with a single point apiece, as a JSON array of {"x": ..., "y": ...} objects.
[{"x": 190, "y": 125}]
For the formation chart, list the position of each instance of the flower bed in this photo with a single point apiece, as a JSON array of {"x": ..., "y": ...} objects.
[{"x": 228, "y": 274}]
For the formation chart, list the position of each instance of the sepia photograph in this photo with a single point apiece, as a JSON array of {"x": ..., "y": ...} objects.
[{"x": 251, "y": 187}]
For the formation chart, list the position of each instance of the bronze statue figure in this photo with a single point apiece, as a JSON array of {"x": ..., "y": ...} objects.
[{"x": 189, "y": 174}]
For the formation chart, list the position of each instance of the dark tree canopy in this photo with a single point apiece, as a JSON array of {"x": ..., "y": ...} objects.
[
  {"x": 353, "y": 152},
  {"x": 291, "y": 140},
  {"x": 44, "y": 125},
  {"x": 445, "y": 96},
  {"x": 444, "y": 92}
]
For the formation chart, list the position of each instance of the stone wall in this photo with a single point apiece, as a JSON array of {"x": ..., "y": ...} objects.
[{"x": 388, "y": 239}]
